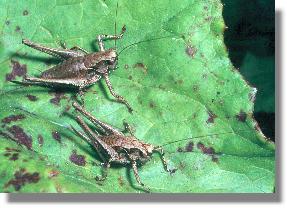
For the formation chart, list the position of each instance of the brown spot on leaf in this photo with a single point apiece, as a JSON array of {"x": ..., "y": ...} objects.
[
  {"x": 21, "y": 178},
  {"x": 17, "y": 70},
  {"x": 7, "y": 22},
  {"x": 182, "y": 165},
  {"x": 25, "y": 13},
  {"x": 190, "y": 51},
  {"x": 211, "y": 117},
  {"x": 58, "y": 96},
  {"x": 12, "y": 153},
  {"x": 40, "y": 140},
  {"x": 241, "y": 116},
  {"x": 18, "y": 30},
  {"x": 151, "y": 104},
  {"x": 20, "y": 136},
  {"x": 179, "y": 149},
  {"x": 12, "y": 118},
  {"x": 77, "y": 159},
  {"x": 56, "y": 136},
  {"x": 179, "y": 81},
  {"x": 126, "y": 66},
  {"x": 208, "y": 19},
  {"x": 9, "y": 149},
  {"x": 130, "y": 77},
  {"x": 195, "y": 88},
  {"x": 141, "y": 66},
  {"x": 32, "y": 97},
  {"x": 208, "y": 151},
  {"x": 14, "y": 156},
  {"x": 189, "y": 147}
]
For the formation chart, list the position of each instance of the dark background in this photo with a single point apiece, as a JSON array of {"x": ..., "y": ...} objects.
[{"x": 250, "y": 39}]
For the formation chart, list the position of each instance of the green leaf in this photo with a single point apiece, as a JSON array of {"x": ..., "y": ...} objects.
[{"x": 179, "y": 82}]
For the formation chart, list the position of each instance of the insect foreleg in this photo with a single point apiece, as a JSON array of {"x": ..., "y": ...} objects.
[
  {"x": 102, "y": 37},
  {"x": 161, "y": 152},
  {"x": 118, "y": 97},
  {"x": 105, "y": 171}
]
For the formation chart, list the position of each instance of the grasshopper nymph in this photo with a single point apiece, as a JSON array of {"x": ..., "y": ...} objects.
[{"x": 79, "y": 68}]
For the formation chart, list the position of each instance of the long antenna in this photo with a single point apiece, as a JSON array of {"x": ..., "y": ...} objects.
[
  {"x": 196, "y": 137},
  {"x": 116, "y": 24},
  {"x": 143, "y": 41}
]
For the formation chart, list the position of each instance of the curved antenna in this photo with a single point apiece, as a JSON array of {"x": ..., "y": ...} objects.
[
  {"x": 143, "y": 41},
  {"x": 202, "y": 136}
]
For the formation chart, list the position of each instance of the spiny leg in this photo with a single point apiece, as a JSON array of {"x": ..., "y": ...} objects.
[
  {"x": 78, "y": 48},
  {"x": 101, "y": 37},
  {"x": 74, "y": 48},
  {"x": 95, "y": 121},
  {"x": 105, "y": 172},
  {"x": 56, "y": 52},
  {"x": 161, "y": 152},
  {"x": 87, "y": 139},
  {"x": 135, "y": 169},
  {"x": 109, "y": 150},
  {"x": 118, "y": 97}
]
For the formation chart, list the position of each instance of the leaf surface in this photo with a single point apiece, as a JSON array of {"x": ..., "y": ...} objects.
[{"x": 178, "y": 80}]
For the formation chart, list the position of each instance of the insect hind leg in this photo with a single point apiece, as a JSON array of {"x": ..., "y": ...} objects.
[{"x": 62, "y": 54}]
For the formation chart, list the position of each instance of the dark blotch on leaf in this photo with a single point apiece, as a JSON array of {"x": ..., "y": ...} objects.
[
  {"x": 211, "y": 117},
  {"x": 151, "y": 104},
  {"x": 14, "y": 156},
  {"x": 141, "y": 66},
  {"x": 241, "y": 116},
  {"x": 208, "y": 151},
  {"x": 21, "y": 136},
  {"x": 21, "y": 178},
  {"x": 12, "y": 118},
  {"x": 17, "y": 70},
  {"x": 32, "y": 97},
  {"x": 77, "y": 159},
  {"x": 7, "y": 22},
  {"x": 7, "y": 154},
  {"x": 58, "y": 96},
  {"x": 180, "y": 149},
  {"x": 190, "y": 51},
  {"x": 189, "y": 147},
  {"x": 56, "y": 136},
  {"x": 179, "y": 81},
  {"x": 130, "y": 77},
  {"x": 25, "y": 13},
  {"x": 18, "y": 30}
]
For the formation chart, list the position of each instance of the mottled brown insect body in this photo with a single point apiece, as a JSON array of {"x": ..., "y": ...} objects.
[
  {"x": 114, "y": 147},
  {"x": 79, "y": 68}
]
